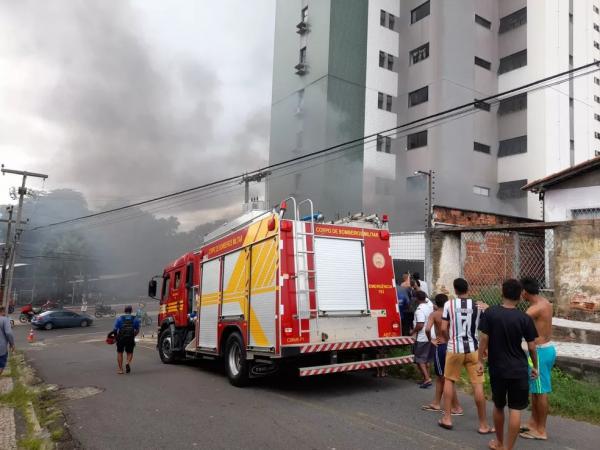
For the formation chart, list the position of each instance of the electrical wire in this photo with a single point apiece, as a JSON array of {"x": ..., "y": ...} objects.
[{"x": 532, "y": 86}]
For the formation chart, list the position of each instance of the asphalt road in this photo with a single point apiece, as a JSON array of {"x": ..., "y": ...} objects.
[{"x": 192, "y": 406}]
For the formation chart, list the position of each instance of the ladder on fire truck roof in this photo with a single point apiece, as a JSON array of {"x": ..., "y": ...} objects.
[{"x": 305, "y": 276}]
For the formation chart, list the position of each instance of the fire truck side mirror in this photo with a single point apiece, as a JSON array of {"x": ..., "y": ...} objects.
[{"x": 152, "y": 289}]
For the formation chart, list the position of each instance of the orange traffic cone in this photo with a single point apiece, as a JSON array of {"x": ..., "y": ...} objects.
[{"x": 31, "y": 336}]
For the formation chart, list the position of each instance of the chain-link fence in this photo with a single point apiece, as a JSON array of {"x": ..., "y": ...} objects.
[{"x": 488, "y": 258}]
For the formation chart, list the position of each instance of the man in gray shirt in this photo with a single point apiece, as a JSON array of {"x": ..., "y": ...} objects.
[{"x": 7, "y": 340}]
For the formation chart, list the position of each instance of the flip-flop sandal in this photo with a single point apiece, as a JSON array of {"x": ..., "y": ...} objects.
[
  {"x": 430, "y": 408},
  {"x": 444, "y": 425},
  {"x": 524, "y": 428},
  {"x": 489, "y": 431},
  {"x": 120, "y": 372},
  {"x": 127, "y": 368},
  {"x": 530, "y": 435},
  {"x": 426, "y": 385},
  {"x": 461, "y": 413}
]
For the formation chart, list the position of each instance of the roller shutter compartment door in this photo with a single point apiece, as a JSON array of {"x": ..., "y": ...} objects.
[
  {"x": 340, "y": 275},
  {"x": 209, "y": 303}
]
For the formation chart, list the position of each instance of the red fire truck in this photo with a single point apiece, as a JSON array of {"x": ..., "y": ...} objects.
[{"x": 273, "y": 289}]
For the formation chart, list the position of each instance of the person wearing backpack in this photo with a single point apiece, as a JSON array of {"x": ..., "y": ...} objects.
[{"x": 126, "y": 329}]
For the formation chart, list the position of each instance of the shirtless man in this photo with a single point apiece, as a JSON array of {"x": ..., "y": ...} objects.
[
  {"x": 439, "y": 340},
  {"x": 540, "y": 310}
]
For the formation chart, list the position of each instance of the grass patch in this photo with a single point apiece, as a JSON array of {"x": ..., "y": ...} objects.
[
  {"x": 570, "y": 397},
  {"x": 30, "y": 443},
  {"x": 23, "y": 397}
]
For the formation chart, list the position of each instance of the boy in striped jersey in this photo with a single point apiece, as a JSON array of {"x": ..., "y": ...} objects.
[{"x": 460, "y": 323}]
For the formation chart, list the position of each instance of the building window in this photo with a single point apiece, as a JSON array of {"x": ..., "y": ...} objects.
[
  {"x": 418, "y": 54},
  {"x": 420, "y": 12},
  {"x": 483, "y": 63},
  {"x": 480, "y": 190},
  {"x": 597, "y": 45},
  {"x": 303, "y": 55},
  {"x": 386, "y": 60},
  {"x": 483, "y": 22},
  {"x": 596, "y": 99},
  {"x": 586, "y": 213},
  {"x": 596, "y": 135},
  {"x": 384, "y": 101},
  {"x": 416, "y": 140},
  {"x": 511, "y": 189},
  {"x": 571, "y": 60},
  {"x": 483, "y": 148},
  {"x": 512, "y": 62},
  {"x": 597, "y": 80},
  {"x": 513, "y": 20},
  {"x": 596, "y": 10},
  {"x": 597, "y": 117},
  {"x": 511, "y": 104},
  {"x": 512, "y": 146},
  {"x": 304, "y": 14},
  {"x": 391, "y": 21},
  {"x": 596, "y": 27},
  {"x": 384, "y": 144},
  {"x": 387, "y": 19},
  {"x": 419, "y": 96}
]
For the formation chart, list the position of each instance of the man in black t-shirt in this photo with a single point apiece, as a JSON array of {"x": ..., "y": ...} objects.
[{"x": 503, "y": 327}]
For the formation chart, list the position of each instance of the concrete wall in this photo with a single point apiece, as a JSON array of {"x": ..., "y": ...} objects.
[
  {"x": 560, "y": 202},
  {"x": 577, "y": 270}
]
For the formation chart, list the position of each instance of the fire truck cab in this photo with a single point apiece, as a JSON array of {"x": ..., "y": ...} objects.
[{"x": 277, "y": 289}]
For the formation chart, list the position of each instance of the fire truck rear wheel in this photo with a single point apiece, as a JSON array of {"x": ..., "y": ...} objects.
[
  {"x": 165, "y": 348},
  {"x": 236, "y": 363}
]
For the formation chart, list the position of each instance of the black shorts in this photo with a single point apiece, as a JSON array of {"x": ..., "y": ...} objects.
[
  {"x": 125, "y": 345},
  {"x": 515, "y": 389}
]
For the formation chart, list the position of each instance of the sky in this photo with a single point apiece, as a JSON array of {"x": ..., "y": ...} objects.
[{"x": 129, "y": 99}]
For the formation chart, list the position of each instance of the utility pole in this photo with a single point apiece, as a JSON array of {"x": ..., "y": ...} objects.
[
  {"x": 6, "y": 253},
  {"x": 430, "y": 175},
  {"x": 22, "y": 192}
]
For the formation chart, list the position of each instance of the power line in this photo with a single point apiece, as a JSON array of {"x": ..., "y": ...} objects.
[{"x": 538, "y": 84}]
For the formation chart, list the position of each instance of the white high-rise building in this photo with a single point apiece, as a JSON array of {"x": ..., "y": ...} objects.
[{"x": 348, "y": 68}]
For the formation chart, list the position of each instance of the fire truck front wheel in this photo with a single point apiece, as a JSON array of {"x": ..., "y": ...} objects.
[
  {"x": 236, "y": 363},
  {"x": 165, "y": 348}
]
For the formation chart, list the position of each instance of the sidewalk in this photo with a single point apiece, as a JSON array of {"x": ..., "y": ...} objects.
[{"x": 8, "y": 439}]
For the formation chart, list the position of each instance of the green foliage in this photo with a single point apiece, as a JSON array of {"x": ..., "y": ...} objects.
[{"x": 30, "y": 443}]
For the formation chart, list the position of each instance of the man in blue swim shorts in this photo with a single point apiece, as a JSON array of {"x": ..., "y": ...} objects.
[{"x": 540, "y": 310}]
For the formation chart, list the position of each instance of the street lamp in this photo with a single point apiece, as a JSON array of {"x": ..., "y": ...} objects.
[{"x": 429, "y": 174}]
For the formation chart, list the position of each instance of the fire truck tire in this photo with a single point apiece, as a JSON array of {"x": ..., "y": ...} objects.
[
  {"x": 236, "y": 363},
  {"x": 165, "y": 348}
]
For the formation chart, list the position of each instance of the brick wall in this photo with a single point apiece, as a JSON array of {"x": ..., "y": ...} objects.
[{"x": 461, "y": 217}]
